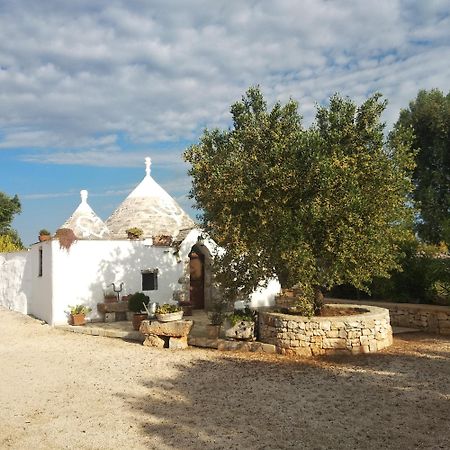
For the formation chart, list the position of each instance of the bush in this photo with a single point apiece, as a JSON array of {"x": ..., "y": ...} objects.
[
  {"x": 302, "y": 307},
  {"x": 239, "y": 315},
  {"x": 136, "y": 302},
  {"x": 441, "y": 292},
  {"x": 167, "y": 308},
  {"x": 79, "y": 309},
  {"x": 8, "y": 244},
  {"x": 425, "y": 278}
]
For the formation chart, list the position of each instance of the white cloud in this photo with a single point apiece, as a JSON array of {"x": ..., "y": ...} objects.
[{"x": 75, "y": 77}]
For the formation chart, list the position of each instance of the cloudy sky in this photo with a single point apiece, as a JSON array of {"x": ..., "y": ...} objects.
[{"x": 89, "y": 88}]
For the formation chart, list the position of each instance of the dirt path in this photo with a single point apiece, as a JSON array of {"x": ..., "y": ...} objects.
[{"x": 64, "y": 390}]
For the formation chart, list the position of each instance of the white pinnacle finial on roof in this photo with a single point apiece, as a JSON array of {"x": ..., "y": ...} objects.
[
  {"x": 148, "y": 163},
  {"x": 84, "y": 196}
]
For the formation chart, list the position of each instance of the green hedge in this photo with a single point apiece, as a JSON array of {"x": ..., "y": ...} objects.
[{"x": 425, "y": 279}]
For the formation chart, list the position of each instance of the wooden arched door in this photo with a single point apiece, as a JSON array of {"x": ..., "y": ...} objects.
[{"x": 197, "y": 279}]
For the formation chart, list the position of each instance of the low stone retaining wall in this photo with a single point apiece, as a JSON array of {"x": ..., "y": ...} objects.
[
  {"x": 367, "y": 332},
  {"x": 431, "y": 318}
]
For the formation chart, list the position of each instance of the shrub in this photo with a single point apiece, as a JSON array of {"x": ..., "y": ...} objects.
[
  {"x": 425, "y": 278},
  {"x": 79, "y": 309},
  {"x": 239, "y": 315},
  {"x": 136, "y": 302},
  {"x": 167, "y": 308},
  {"x": 8, "y": 244},
  {"x": 134, "y": 232},
  {"x": 302, "y": 307},
  {"x": 66, "y": 237}
]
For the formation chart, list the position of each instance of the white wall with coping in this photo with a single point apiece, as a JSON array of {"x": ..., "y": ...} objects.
[{"x": 15, "y": 281}]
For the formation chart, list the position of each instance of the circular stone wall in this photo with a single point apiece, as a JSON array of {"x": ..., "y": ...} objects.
[{"x": 365, "y": 332}]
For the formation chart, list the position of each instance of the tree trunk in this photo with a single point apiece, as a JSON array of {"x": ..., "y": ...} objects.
[{"x": 318, "y": 300}]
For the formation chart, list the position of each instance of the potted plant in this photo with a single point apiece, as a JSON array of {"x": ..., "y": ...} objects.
[
  {"x": 241, "y": 324},
  {"x": 134, "y": 233},
  {"x": 109, "y": 296},
  {"x": 136, "y": 304},
  {"x": 44, "y": 235},
  {"x": 168, "y": 313},
  {"x": 216, "y": 316},
  {"x": 78, "y": 314}
]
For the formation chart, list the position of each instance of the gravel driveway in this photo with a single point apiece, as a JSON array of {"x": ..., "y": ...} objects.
[{"x": 65, "y": 390}]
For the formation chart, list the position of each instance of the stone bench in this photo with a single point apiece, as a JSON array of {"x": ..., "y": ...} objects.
[
  {"x": 112, "y": 312},
  {"x": 166, "y": 334}
]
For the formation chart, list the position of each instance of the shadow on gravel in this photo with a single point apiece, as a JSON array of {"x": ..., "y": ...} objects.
[{"x": 398, "y": 399}]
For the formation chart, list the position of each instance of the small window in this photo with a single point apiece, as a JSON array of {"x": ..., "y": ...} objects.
[
  {"x": 149, "y": 280},
  {"x": 40, "y": 262}
]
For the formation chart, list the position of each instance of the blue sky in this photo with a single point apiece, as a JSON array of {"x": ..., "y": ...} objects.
[{"x": 88, "y": 89}]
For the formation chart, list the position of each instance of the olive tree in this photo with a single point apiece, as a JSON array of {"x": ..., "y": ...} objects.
[
  {"x": 429, "y": 117},
  {"x": 9, "y": 207},
  {"x": 313, "y": 207}
]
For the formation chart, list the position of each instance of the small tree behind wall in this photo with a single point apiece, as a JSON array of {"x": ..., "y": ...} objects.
[{"x": 316, "y": 207}]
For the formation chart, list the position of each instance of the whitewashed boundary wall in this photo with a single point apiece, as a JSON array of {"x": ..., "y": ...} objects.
[{"x": 15, "y": 282}]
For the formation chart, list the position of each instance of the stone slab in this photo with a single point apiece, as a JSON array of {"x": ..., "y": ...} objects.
[
  {"x": 153, "y": 341},
  {"x": 178, "y": 343},
  {"x": 177, "y": 328},
  {"x": 110, "y": 317},
  {"x": 200, "y": 341}
]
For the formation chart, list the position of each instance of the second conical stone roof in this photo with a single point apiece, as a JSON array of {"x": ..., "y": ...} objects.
[{"x": 150, "y": 208}]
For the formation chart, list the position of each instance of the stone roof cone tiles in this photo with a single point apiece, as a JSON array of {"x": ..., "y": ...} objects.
[
  {"x": 85, "y": 223},
  {"x": 150, "y": 208}
]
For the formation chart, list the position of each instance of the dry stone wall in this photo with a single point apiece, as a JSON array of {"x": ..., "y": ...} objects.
[
  {"x": 430, "y": 318},
  {"x": 367, "y": 332}
]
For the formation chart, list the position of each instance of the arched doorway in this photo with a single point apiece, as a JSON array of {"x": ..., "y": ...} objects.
[{"x": 199, "y": 276}]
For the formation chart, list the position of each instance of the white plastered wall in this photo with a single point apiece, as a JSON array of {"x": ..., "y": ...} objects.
[
  {"x": 15, "y": 284},
  {"x": 81, "y": 274},
  {"x": 40, "y": 297}
]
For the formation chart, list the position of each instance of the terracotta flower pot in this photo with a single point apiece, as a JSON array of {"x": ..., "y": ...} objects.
[
  {"x": 110, "y": 299},
  {"x": 213, "y": 331},
  {"x": 78, "y": 319},
  {"x": 137, "y": 320}
]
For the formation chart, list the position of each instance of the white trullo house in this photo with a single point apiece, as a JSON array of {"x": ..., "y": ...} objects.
[{"x": 169, "y": 262}]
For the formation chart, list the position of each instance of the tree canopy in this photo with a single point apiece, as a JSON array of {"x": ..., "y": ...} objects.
[
  {"x": 429, "y": 117},
  {"x": 9, "y": 207},
  {"x": 316, "y": 207}
]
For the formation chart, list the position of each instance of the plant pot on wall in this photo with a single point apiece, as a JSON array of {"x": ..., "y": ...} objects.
[
  {"x": 78, "y": 319},
  {"x": 213, "y": 331},
  {"x": 110, "y": 298},
  {"x": 137, "y": 320},
  {"x": 77, "y": 314},
  {"x": 170, "y": 317}
]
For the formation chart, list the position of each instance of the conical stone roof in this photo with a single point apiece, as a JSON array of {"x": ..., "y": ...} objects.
[
  {"x": 85, "y": 223},
  {"x": 150, "y": 208}
]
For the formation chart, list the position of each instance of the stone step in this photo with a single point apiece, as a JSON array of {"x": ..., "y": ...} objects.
[
  {"x": 121, "y": 332},
  {"x": 201, "y": 341},
  {"x": 401, "y": 330}
]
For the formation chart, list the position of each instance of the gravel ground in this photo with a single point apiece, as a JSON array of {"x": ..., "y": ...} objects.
[{"x": 64, "y": 390}]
